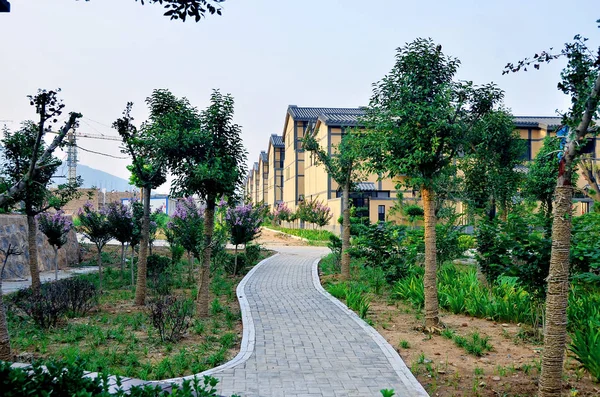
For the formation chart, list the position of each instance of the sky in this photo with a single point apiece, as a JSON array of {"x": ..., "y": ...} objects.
[{"x": 268, "y": 54}]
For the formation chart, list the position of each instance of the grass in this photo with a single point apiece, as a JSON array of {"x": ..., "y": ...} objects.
[
  {"x": 118, "y": 337},
  {"x": 309, "y": 234}
]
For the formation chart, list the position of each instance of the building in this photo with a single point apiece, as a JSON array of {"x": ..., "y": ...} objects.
[
  {"x": 285, "y": 173},
  {"x": 533, "y": 130},
  {"x": 276, "y": 158}
]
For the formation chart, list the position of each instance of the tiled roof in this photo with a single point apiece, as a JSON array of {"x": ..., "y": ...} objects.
[
  {"x": 341, "y": 119},
  {"x": 537, "y": 122},
  {"x": 264, "y": 157},
  {"x": 277, "y": 140},
  {"x": 311, "y": 114},
  {"x": 365, "y": 186}
]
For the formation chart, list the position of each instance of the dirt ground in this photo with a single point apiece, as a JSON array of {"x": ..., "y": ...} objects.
[
  {"x": 268, "y": 237},
  {"x": 444, "y": 369}
]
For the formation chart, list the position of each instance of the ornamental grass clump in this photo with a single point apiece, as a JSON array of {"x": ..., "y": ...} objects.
[
  {"x": 243, "y": 223},
  {"x": 56, "y": 228}
]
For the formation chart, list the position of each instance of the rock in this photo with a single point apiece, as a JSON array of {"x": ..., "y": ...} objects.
[
  {"x": 484, "y": 360},
  {"x": 482, "y": 384},
  {"x": 496, "y": 378},
  {"x": 464, "y": 325},
  {"x": 441, "y": 371},
  {"x": 505, "y": 325}
]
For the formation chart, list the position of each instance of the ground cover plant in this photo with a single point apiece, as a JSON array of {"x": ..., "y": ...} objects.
[
  {"x": 312, "y": 235},
  {"x": 119, "y": 337}
]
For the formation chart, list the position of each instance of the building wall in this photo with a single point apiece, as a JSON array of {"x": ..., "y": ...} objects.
[
  {"x": 97, "y": 198},
  {"x": 290, "y": 165}
]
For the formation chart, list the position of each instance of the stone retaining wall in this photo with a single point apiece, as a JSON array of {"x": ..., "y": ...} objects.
[{"x": 13, "y": 230}]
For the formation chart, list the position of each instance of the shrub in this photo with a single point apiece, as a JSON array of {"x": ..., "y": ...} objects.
[
  {"x": 585, "y": 253},
  {"x": 466, "y": 242},
  {"x": 282, "y": 213},
  {"x": 335, "y": 245},
  {"x": 314, "y": 211},
  {"x": 66, "y": 379},
  {"x": 45, "y": 308},
  {"x": 413, "y": 211},
  {"x": 518, "y": 247},
  {"x": 252, "y": 253},
  {"x": 171, "y": 316},
  {"x": 159, "y": 274},
  {"x": 81, "y": 295},
  {"x": 585, "y": 344}
]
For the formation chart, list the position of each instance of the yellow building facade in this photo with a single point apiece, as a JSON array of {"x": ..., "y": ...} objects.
[{"x": 285, "y": 173}]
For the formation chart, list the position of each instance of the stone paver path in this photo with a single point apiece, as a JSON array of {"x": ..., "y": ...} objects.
[{"x": 301, "y": 342}]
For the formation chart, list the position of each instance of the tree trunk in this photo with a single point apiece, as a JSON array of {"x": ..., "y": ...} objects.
[
  {"x": 4, "y": 337},
  {"x": 122, "y": 261},
  {"x": 203, "y": 287},
  {"x": 430, "y": 279},
  {"x": 140, "y": 288},
  {"x": 235, "y": 260},
  {"x": 132, "y": 265},
  {"x": 99, "y": 260},
  {"x": 33, "y": 254},
  {"x": 550, "y": 383},
  {"x": 345, "y": 232},
  {"x": 191, "y": 267},
  {"x": 55, "y": 262}
]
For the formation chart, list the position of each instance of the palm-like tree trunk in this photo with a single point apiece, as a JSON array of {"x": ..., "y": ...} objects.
[
  {"x": 203, "y": 287},
  {"x": 345, "y": 232},
  {"x": 132, "y": 265},
  {"x": 430, "y": 279},
  {"x": 33, "y": 254},
  {"x": 141, "y": 287}
]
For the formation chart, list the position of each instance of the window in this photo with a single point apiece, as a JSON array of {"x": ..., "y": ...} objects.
[
  {"x": 589, "y": 147},
  {"x": 527, "y": 154},
  {"x": 381, "y": 213}
]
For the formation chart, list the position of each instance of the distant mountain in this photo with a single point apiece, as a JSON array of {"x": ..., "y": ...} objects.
[{"x": 100, "y": 179}]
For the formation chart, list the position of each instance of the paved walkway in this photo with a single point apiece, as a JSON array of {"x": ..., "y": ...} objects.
[
  {"x": 9, "y": 286},
  {"x": 300, "y": 342}
]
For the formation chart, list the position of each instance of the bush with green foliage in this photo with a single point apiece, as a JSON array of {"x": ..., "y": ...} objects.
[
  {"x": 518, "y": 247},
  {"x": 314, "y": 211},
  {"x": 585, "y": 344},
  {"x": 58, "y": 378},
  {"x": 585, "y": 246},
  {"x": 55, "y": 300},
  {"x": 159, "y": 274}
]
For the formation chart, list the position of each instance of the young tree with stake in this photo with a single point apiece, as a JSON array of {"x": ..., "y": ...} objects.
[{"x": 96, "y": 228}]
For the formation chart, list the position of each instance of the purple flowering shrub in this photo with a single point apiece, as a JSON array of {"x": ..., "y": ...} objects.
[
  {"x": 313, "y": 211},
  {"x": 55, "y": 227},
  {"x": 187, "y": 225},
  {"x": 120, "y": 218},
  {"x": 282, "y": 213},
  {"x": 244, "y": 222}
]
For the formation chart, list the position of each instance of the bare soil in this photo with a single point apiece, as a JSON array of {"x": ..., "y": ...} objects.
[
  {"x": 512, "y": 367},
  {"x": 268, "y": 237}
]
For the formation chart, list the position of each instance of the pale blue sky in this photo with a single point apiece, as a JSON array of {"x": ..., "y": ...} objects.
[{"x": 267, "y": 54}]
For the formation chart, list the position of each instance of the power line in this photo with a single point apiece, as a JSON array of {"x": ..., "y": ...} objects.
[{"x": 102, "y": 154}]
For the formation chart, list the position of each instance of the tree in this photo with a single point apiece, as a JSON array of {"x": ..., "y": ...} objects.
[
  {"x": 580, "y": 79},
  {"x": 56, "y": 228},
  {"x": 187, "y": 224},
  {"x": 28, "y": 167},
  {"x": 120, "y": 218},
  {"x": 416, "y": 123},
  {"x": 4, "y": 336},
  {"x": 343, "y": 167},
  {"x": 490, "y": 163},
  {"x": 147, "y": 172},
  {"x": 541, "y": 177},
  {"x": 591, "y": 174},
  {"x": 207, "y": 161},
  {"x": 243, "y": 223},
  {"x": 181, "y": 9},
  {"x": 96, "y": 228},
  {"x": 48, "y": 106}
]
